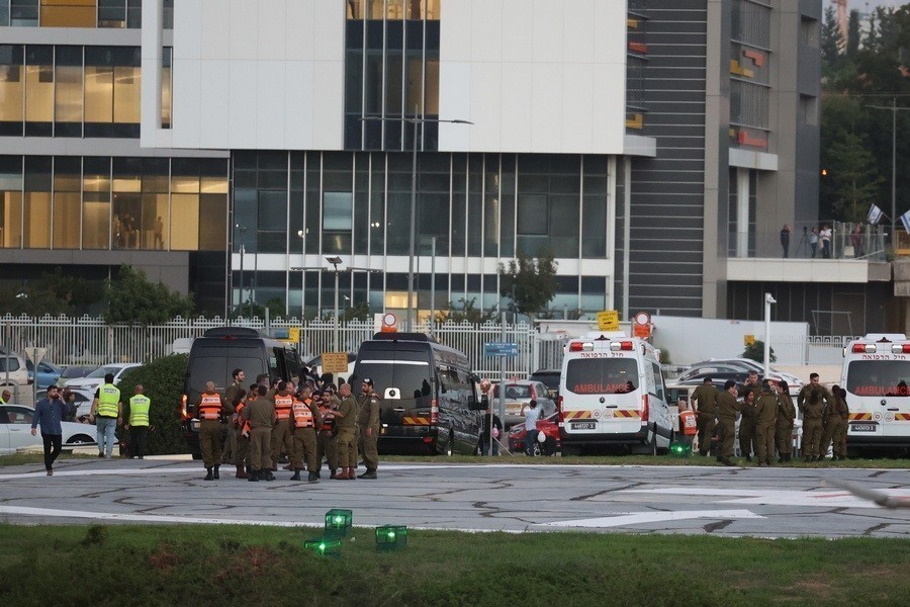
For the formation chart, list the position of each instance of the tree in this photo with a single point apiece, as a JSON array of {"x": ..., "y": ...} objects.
[
  {"x": 162, "y": 380},
  {"x": 530, "y": 283},
  {"x": 359, "y": 312},
  {"x": 756, "y": 351},
  {"x": 467, "y": 311},
  {"x": 136, "y": 300}
]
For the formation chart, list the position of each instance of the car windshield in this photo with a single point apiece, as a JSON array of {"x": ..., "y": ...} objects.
[
  {"x": 100, "y": 372},
  {"x": 514, "y": 391}
]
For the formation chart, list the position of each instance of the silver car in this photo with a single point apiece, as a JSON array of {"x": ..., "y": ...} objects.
[{"x": 518, "y": 393}]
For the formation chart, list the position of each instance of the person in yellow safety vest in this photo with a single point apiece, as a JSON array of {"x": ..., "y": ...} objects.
[
  {"x": 4, "y": 398},
  {"x": 282, "y": 439},
  {"x": 210, "y": 406},
  {"x": 138, "y": 422},
  {"x": 306, "y": 420},
  {"x": 107, "y": 414}
]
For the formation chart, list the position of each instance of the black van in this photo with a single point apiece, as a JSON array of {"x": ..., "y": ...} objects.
[
  {"x": 215, "y": 355},
  {"x": 429, "y": 398}
]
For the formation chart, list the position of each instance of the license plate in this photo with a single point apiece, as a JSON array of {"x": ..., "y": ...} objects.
[
  {"x": 194, "y": 425},
  {"x": 583, "y": 426},
  {"x": 863, "y": 427}
]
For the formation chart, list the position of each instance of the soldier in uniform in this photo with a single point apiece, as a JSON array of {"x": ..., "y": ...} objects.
[
  {"x": 703, "y": 401},
  {"x": 260, "y": 413},
  {"x": 230, "y": 396},
  {"x": 765, "y": 417},
  {"x": 368, "y": 423},
  {"x": 282, "y": 439},
  {"x": 345, "y": 422},
  {"x": 812, "y": 410},
  {"x": 727, "y": 408},
  {"x": 747, "y": 423},
  {"x": 834, "y": 420},
  {"x": 306, "y": 420},
  {"x": 326, "y": 443},
  {"x": 783, "y": 427},
  {"x": 806, "y": 390},
  {"x": 241, "y": 431},
  {"x": 210, "y": 407}
]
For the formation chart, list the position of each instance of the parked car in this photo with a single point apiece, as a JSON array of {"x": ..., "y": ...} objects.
[
  {"x": 13, "y": 369},
  {"x": 519, "y": 393},
  {"x": 547, "y": 425},
  {"x": 93, "y": 380},
  {"x": 732, "y": 365},
  {"x": 47, "y": 374},
  {"x": 73, "y": 372},
  {"x": 16, "y": 426},
  {"x": 83, "y": 401},
  {"x": 549, "y": 378}
]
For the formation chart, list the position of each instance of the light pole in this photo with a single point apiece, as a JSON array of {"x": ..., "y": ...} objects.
[
  {"x": 769, "y": 299},
  {"x": 413, "y": 231},
  {"x": 335, "y": 261},
  {"x": 894, "y": 110},
  {"x": 242, "y": 231}
]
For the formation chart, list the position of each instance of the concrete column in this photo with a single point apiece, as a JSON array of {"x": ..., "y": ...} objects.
[{"x": 742, "y": 212}]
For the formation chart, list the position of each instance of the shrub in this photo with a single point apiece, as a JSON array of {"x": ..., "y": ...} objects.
[{"x": 162, "y": 380}]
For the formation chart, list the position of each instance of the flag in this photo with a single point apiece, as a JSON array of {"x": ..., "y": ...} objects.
[
  {"x": 905, "y": 219},
  {"x": 875, "y": 214}
]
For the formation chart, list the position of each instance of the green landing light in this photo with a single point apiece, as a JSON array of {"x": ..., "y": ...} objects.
[{"x": 391, "y": 537}]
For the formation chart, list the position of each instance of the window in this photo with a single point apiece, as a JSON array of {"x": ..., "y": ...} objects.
[
  {"x": 167, "y": 95},
  {"x": 532, "y": 215},
  {"x": 12, "y": 108},
  {"x": 749, "y": 104},
  {"x": 337, "y": 211},
  {"x": 68, "y": 13},
  {"x": 10, "y": 201}
]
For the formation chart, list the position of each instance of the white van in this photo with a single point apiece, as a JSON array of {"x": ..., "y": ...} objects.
[
  {"x": 612, "y": 393},
  {"x": 876, "y": 375}
]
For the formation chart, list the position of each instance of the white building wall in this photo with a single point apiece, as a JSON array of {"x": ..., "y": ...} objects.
[
  {"x": 259, "y": 74},
  {"x": 533, "y": 76}
]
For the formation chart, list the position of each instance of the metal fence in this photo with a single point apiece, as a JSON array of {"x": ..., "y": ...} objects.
[{"x": 90, "y": 341}]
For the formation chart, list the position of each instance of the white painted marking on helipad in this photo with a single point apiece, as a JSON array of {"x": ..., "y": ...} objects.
[
  {"x": 770, "y": 497},
  {"x": 644, "y": 518}
]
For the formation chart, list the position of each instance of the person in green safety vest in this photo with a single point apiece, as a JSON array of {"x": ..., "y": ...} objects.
[
  {"x": 107, "y": 414},
  {"x": 4, "y": 398},
  {"x": 138, "y": 422}
]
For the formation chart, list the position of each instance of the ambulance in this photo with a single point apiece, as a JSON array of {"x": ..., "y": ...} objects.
[
  {"x": 612, "y": 394},
  {"x": 876, "y": 374}
]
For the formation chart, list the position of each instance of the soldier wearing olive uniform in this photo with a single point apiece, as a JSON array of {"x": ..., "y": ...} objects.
[
  {"x": 783, "y": 427},
  {"x": 834, "y": 420},
  {"x": 326, "y": 443},
  {"x": 703, "y": 401},
  {"x": 345, "y": 422},
  {"x": 747, "y": 421},
  {"x": 305, "y": 417},
  {"x": 260, "y": 413},
  {"x": 210, "y": 407},
  {"x": 812, "y": 410},
  {"x": 368, "y": 423},
  {"x": 727, "y": 408},
  {"x": 765, "y": 417}
]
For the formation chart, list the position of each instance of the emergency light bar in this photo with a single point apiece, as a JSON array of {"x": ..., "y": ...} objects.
[
  {"x": 860, "y": 348},
  {"x": 900, "y": 348},
  {"x": 621, "y": 345},
  {"x": 581, "y": 346}
]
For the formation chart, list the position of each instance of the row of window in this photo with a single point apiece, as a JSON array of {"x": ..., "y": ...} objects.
[
  {"x": 472, "y": 204},
  {"x": 388, "y": 291},
  {"x": 120, "y": 203},
  {"x": 393, "y": 10},
  {"x": 75, "y": 91},
  {"x": 79, "y": 13}
]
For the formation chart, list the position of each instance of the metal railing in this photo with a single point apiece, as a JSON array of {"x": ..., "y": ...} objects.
[{"x": 90, "y": 341}]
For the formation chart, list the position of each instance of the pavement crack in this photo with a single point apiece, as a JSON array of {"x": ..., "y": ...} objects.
[
  {"x": 875, "y": 528},
  {"x": 581, "y": 498},
  {"x": 711, "y": 527}
]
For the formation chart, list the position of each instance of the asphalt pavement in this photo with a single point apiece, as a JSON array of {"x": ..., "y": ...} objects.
[{"x": 761, "y": 502}]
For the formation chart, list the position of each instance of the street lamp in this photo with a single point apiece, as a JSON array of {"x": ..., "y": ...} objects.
[
  {"x": 242, "y": 230},
  {"x": 335, "y": 261},
  {"x": 412, "y": 233},
  {"x": 769, "y": 299}
]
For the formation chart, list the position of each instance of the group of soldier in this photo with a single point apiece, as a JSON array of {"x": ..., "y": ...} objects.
[
  {"x": 308, "y": 422},
  {"x": 766, "y": 416}
]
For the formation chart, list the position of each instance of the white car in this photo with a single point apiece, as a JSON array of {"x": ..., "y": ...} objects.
[
  {"x": 95, "y": 379},
  {"x": 13, "y": 369},
  {"x": 16, "y": 430}
]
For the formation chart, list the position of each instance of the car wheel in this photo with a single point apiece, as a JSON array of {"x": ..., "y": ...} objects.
[{"x": 80, "y": 439}]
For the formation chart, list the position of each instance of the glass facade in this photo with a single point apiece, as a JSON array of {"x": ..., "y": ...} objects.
[
  {"x": 70, "y": 91},
  {"x": 78, "y": 13},
  {"x": 750, "y": 88},
  {"x": 392, "y": 75},
  {"x": 468, "y": 205},
  {"x": 66, "y": 202}
]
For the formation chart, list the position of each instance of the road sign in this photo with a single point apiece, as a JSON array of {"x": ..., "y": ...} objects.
[
  {"x": 608, "y": 320},
  {"x": 641, "y": 326},
  {"x": 748, "y": 340},
  {"x": 334, "y": 362},
  {"x": 35, "y": 354},
  {"x": 500, "y": 349}
]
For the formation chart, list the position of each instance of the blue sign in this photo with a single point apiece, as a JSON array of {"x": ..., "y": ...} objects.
[{"x": 500, "y": 349}]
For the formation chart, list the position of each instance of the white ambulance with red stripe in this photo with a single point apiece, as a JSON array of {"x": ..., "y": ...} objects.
[
  {"x": 876, "y": 375},
  {"x": 612, "y": 394}
]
